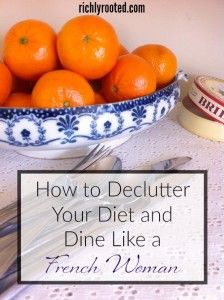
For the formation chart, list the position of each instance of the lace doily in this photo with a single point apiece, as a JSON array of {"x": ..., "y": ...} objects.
[{"x": 167, "y": 139}]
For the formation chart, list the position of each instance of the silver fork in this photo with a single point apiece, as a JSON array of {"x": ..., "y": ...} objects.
[{"x": 96, "y": 154}]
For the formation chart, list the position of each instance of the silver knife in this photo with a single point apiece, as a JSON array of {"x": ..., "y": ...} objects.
[{"x": 165, "y": 165}]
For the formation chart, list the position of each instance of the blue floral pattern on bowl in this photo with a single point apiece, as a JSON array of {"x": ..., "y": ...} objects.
[{"x": 82, "y": 126}]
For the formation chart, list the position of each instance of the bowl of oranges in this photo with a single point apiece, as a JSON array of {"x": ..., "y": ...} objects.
[{"x": 69, "y": 90}]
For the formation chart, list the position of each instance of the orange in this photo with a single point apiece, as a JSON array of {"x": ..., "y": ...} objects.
[
  {"x": 18, "y": 100},
  {"x": 5, "y": 83},
  {"x": 29, "y": 49},
  {"x": 123, "y": 50},
  {"x": 89, "y": 46},
  {"x": 162, "y": 59},
  {"x": 132, "y": 77},
  {"x": 99, "y": 99},
  {"x": 62, "y": 88}
]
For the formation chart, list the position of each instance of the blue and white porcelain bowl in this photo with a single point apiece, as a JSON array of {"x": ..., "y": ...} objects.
[{"x": 74, "y": 130}]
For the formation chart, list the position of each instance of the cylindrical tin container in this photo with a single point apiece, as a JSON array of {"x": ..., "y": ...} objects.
[
  {"x": 196, "y": 121},
  {"x": 208, "y": 94}
]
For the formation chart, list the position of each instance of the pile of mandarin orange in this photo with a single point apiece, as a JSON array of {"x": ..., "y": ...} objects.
[{"x": 84, "y": 64}]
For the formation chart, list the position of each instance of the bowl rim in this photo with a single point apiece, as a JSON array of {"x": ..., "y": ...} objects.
[{"x": 70, "y": 109}]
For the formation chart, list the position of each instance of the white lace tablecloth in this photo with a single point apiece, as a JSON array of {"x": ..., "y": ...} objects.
[{"x": 167, "y": 139}]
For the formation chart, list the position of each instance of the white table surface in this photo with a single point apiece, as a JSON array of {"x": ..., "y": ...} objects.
[{"x": 167, "y": 139}]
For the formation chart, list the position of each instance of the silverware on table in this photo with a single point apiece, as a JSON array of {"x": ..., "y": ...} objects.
[
  {"x": 9, "y": 212},
  {"x": 168, "y": 164},
  {"x": 98, "y": 160},
  {"x": 8, "y": 222}
]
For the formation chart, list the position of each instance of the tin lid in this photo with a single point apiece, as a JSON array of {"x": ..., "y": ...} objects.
[
  {"x": 208, "y": 94},
  {"x": 211, "y": 87}
]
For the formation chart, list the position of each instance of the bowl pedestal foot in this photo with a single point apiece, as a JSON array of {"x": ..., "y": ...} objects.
[{"x": 69, "y": 153}]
